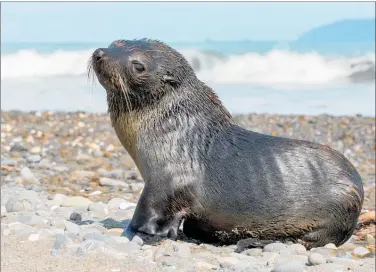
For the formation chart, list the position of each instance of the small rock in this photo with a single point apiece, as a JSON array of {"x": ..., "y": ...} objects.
[
  {"x": 17, "y": 147},
  {"x": 36, "y": 150},
  {"x": 274, "y": 247},
  {"x": 138, "y": 240},
  {"x": 252, "y": 252},
  {"x": 28, "y": 176},
  {"x": 205, "y": 266},
  {"x": 114, "y": 204},
  {"x": 330, "y": 267},
  {"x": 113, "y": 182},
  {"x": 183, "y": 250},
  {"x": 326, "y": 252},
  {"x": 3, "y": 210},
  {"x": 289, "y": 267},
  {"x": 136, "y": 187},
  {"x": 370, "y": 240},
  {"x": 121, "y": 239},
  {"x": 95, "y": 193},
  {"x": 75, "y": 217},
  {"x": 6, "y": 232},
  {"x": 316, "y": 259},
  {"x": 330, "y": 245},
  {"x": 76, "y": 201},
  {"x": 33, "y": 237},
  {"x": 34, "y": 158},
  {"x": 360, "y": 252},
  {"x": 97, "y": 209},
  {"x": 72, "y": 227},
  {"x": 232, "y": 263},
  {"x": 298, "y": 248}
]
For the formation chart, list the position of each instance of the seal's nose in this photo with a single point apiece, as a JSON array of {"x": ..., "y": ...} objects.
[{"x": 98, "y": 54}]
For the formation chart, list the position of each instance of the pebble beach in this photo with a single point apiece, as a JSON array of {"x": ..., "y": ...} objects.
[{"x": 68, "y": 189}]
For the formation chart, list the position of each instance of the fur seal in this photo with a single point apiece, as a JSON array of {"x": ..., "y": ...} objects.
[{"x": 226, "y": 182}]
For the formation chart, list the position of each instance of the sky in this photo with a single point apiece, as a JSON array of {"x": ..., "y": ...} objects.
[{"x": 170, "y": 21}]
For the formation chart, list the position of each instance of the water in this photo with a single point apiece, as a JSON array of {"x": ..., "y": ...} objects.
[{"x": 249, "y": 76}]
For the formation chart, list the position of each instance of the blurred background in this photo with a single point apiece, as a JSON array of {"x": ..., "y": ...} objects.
[{"x": 285, "y": 58}]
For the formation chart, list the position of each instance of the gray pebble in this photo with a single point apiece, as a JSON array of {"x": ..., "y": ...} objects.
[
  {"x": 274, "y": 247},
  {"x": 75, "y": 216},
  {"x": 316, "y": 259},
  {"x": 61, "y": 241},
  {"x": 34, "y": 158},
  {"x": 19, "y": 205},
  {"x": 289, "y": 267},
  {"x": 30, "y": 219},
  {"x": 33, "y": 187}
]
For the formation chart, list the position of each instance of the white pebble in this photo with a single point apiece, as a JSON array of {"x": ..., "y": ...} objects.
[
  {"x": 34, "y": 237},
  {"x": 316, "y": 259}
]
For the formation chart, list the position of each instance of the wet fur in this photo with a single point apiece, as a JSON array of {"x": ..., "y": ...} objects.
[{"x": 226, "y": 182}]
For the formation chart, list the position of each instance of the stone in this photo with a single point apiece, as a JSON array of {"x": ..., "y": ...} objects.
[
  {"x": 75, "y": 217},
  {"x": 114, "y": 203},
  {"x": 331, "y": 245},
  {"x": 98, "y": 209},
  {"x": 316, "y": 258},
  {"x": 326, "y": 252},
  {"x": 138, "y": 240},
  {"x": 274, "y": 247},
  {"x": 113, "y": 182},
  {"x": 205, "y": 266},
  {"x": 330, "y": 267},
  {"x": 76, "y": 201},
  {"x": 3, "y": 211},
  {"x": 28, "y": 176},
  {"x": 289, "y": 267},
  {"x": 232, "y": 263},
  {"x": 252, "y": 252},
  {"x": 30, "y": 219},
  {"x": 34, "y": 158},
  {"x": 72, "y": 227},
  {"x": 360, "y": 252}
]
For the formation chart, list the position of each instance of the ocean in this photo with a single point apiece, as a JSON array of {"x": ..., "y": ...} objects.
[{"x": 249, "y": 76}]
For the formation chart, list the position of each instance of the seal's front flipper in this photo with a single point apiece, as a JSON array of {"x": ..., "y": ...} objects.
[
  {"x": 251, "y": 243},
  {"x": 154, "y": 215}
]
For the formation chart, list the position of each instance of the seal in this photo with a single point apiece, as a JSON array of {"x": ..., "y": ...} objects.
[{"x": 225, "y": 183}]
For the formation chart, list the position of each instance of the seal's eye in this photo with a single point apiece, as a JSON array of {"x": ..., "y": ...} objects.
[{"x": 139, "y": 67}]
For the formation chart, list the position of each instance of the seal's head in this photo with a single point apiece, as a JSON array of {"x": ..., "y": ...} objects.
[{"x": 140, "y": 70}]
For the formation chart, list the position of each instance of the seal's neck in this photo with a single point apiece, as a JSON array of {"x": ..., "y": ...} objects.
[{"x": 181, "y": 120}]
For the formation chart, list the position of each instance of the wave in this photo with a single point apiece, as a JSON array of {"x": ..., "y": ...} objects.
[{"x": 274, "y": 67}]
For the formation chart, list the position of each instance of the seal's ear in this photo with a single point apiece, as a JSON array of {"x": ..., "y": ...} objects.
[{"x": 170, "y": 79}]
